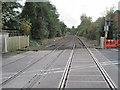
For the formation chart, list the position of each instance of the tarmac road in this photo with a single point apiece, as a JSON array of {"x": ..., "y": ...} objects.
[
  {"x": 112, "y": 54},
  {"x": 49, "y": 70}
]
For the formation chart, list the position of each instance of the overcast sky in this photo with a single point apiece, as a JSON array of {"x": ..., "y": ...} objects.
[{"x": 71, "y": 10}]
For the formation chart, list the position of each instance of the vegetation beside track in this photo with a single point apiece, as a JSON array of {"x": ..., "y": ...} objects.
[{"x": 38, "y": 44}]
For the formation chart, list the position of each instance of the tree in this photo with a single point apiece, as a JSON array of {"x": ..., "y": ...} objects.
[
  {"x": 29, "y": 11},
  {"x": 87, "y": 27},
  {"x": 38, "y": 19},
  {"x": 100, "y": 22},
  {"x": 110, "y": 15},
  {"x": 10, "y": 18},
  {"x": 73, "y": 30},
  {"x": 84, "y": 27},
  {"x": 63, "y": 28},
  {"x": 51, "y": 17},
  {"x": 25, "y": 27}
]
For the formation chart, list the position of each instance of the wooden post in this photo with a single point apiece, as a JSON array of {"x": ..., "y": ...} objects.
[
  {"x": 28, "y": 40},
  {"x": 19, "y": 42}
]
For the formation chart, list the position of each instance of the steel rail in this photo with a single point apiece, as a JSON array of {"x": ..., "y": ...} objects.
[
  {"x": 107, "y": 78},
  {"x": 17, "y": 59},
  {"x": 27, "y": 67},
  {"x": 66, "y": 70},
  {"x": 37, "y": 77},
  {"x": 22, "y": 57},
  {"x": 109, "y": 81}
]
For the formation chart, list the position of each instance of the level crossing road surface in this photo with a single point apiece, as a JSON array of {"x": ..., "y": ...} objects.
[
  {"x": 46, "y": 68},
  {"x": 84, "y": 72},
  {"x": 112, "y": 54}
]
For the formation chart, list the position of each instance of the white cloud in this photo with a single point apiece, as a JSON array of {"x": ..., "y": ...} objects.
[{"x": 71, "y": 10}]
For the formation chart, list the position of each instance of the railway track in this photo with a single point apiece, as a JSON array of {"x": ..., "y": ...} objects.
[
  {"x": 3, "y": 65},
  {"x": 66, "y": 70},
  {"x": 20, "y": 58},
  {"x": 30, "y": 65},
  {"x": 45, "y": 69},
  {"x": 65, "y": 77},
  {"x": 36, "y": 79}
]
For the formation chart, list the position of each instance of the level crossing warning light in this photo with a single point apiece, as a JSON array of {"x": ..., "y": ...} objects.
[{"x": 106, "y": 28}]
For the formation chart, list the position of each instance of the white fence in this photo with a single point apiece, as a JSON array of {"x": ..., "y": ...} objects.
[{"x": 14, "y": 43}]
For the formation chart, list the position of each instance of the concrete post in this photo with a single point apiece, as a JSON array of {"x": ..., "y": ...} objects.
[
  {"x": 5, "y": 36},
  {"x": 5, "y": 44},
  {"x": 102, "y": 39}
]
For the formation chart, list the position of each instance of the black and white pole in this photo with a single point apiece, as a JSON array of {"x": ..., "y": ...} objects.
[{"x": 106, "y": 27}]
